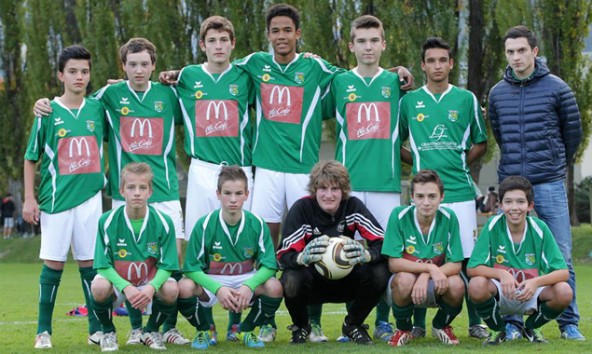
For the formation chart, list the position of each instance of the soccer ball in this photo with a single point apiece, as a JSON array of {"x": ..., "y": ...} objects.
[{"x": 334, "y": 264}]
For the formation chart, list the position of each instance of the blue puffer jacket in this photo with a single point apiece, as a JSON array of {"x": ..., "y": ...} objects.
[{"x": 536, "y": 123}]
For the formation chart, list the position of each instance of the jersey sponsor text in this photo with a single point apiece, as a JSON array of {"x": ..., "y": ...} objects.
[
  {"x": 216, "y": 118},
  {"x": 368, "y": 120},
  {"x": 142, "y": 136},
  {"x": 78, "y": 155},
  {"x": 282, "y": 103}
]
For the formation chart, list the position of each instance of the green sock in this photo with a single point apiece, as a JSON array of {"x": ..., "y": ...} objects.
[
  {"x": 419, "y": 317},
  {"x": 160, "y": 312},
  {"x": 382, "y": 312},
  {"x": 543, "y": 315},
  {"x": 194, "y": 313},
  {"x": 104, "y": 312},
  {"x": 208, "y": 316},
  {"x": 171, "y": 320},
  {"x": 234, "y": 318},
  {"x": 403, "y": 316},
  {"x": 87, "y": 274},
  {"x": 489, "y": 312},
  {"x": 262, "y": 312},
  {"x": 445, "y": 315},
  {"x": 474, "y": 318},
  {"x": 135, "y": 316},
  {"x": 49, "y": 282},
  {"x": 314, "y": 313}
]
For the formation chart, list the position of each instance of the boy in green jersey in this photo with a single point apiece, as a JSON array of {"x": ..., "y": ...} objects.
[
  {"x": 423, "y": 243},
  {"x": 135, "y": 256},
  {"x": 516, "y": 267},
  {"x": 230, "y": 259},
  {"x": 446, "y": 133},
  {"x": 69, "y": 145}
]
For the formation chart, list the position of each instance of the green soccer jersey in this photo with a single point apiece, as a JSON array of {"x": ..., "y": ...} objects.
[
  {"x": 216, "y": 114},
  {"x": 70, "y": 146},
  {"x": 403, "y": 237},
  {"x": 366, "y": 110},
  {"x": 535, "y": 255},
  {"x": 214, "y": 249},
  {"x": 289, "y": 110},
  {"x": 142, "y": 129},
  {"x": 136, "y": 256},
  {"x": 441, "y": 131}
]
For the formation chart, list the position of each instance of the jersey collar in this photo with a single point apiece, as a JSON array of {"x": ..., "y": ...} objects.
[
  {"x": 378, "y": 73},
  {"x": 134, "y": 92},
  {"x": 204, "y": 67},
  {"x": 425, "y": 88},
  {"x": 57, "y": 100},
  {"x": 129, "y": 224},
  {"x": 227, "y": 232}
]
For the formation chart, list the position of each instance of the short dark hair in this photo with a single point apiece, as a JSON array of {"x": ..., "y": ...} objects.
[
  {"x": 427, "y": 176},
  {"x": 137, "y": 45},
  {"x": 516, "y": 183},
  {"x": 519, "y": 32},
  {"x": 232, "y": 173},
  {"x": 283, "y": 10},
  {"x": 365, "y": 22},
  {"x": 76, "y": 52},
  {"x": 327, "y": 172},
  {"x": 434, "y": 42},
  {"x": 218, "y": 23}
]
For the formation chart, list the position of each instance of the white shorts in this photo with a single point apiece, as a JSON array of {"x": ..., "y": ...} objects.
[
  {"x": 231, "y": 281},
  {"x": 380, "y": 204},
  {"x": 202, "y": 184},
  {"x": 275, "y": 192},
  {"x": 76, "y": 227},
  {"x": 430, "y": 300},
  {"x": 517, "y": 307},
  {"x": 8, "y": 222},
  {"x": 467, "y": 222},
  {"x": 172, "y": 208}
]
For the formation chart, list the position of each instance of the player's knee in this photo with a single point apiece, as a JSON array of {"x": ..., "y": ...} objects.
[
  {"x": 478, "y": 289},
  {"x": 563, "y": 294},
  {"x": 291, "y": 282},
  {"x": 187, "y": 288},
  {"x": 169, "y": 291},
  {"x": 101, "y": 289},
  {"x": 456, "y": 287},
  {"x": 403, "y": 282},
  {"x": 273, "y": 288}
]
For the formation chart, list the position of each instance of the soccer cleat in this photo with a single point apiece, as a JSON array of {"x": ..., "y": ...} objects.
[
  {"x": 534, "y": 335},
  {"x": 495, "y": 338},
  {"x": 95, "y": 338},
  {"x": 299, "y": 335},
  {"x": 213, "y": 335},
  {"x": 383, "y": 331},
  {"x": 342, "y": 339},
  {"x": 358, "y": 333},
  {"x": 173, "y": 336},
  {"x": 572, "y": 332},
  {"x": 445, "y": 335},
  {"x": 513, "y": 331},
  {"x": 400, "y": 338},
  {"x": 316, "y": 334},
  {"x": 153, "y": 340},
  {"x": 43, "y": 340},
  {"x": 109, "y": 342},
  {"x": 251, "y": 340},
  {"x": 134, "y": 337},
  {"x": 267, "y": 333},
  {"x": 418, "y": 332},
  {"x": 232, "y": 335},
  {"x": 478, "y": 331},
  {"x": 201, "y": 340}
]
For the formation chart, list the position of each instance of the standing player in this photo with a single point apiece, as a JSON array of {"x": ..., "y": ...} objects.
[
  {"x": 517, "y": 268},
  {"x": 230, "y": 259},
  {"x": 446, "y": 134},
  {"x": 69, "y": 144},
  {"x": 141, "y": 115},
  {"x": 423, "y": 243},
  {"x": 135, "y": 256},
  {"x": 365, "y": 103}
]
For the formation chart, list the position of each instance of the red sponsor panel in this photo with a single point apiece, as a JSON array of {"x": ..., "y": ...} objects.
[
  {"x": 282, "y": 103},
  {"x": 368, "y": 120},
  {"x": 231, "y": 268},
  {"x": 438, "y": 260},
  {"x": 78, "y": 155},
  {"x": 215, "y": 118},
  {"x": 141, "y": 136},
  {"x": 137, "y": 272},
  {"x": 519, "y": 274}
]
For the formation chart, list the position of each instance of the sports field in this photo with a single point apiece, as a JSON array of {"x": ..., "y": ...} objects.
[{"x": 18, "y": 311}]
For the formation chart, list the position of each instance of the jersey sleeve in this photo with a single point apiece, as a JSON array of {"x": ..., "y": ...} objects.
[
  {"x": 403, "y": 120},
  {"x": 177, "y": 113},
  {"x": 329, "y": 71},
  {"x": 552, "y": 259},
  {"x": 368, "y": 227},
  {"x": 168, "y": 252},
  {"x": 393, "y": 244},
  {"x": 103, "y": 255},
  {"x": 482, "y": 252},
  {"x": 35, "y": 146},
  {"x": 454, "y": 253},
  {"x": 195, "y": 254},
  {"x": 328, "y": 102},
  {"x": 478, "y": 129},
  {"x": 266, "y": 252},
  {"x": 295, "y": 233}
]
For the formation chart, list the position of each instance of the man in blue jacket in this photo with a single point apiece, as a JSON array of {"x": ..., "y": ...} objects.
[{"x": 536, "y": 123}]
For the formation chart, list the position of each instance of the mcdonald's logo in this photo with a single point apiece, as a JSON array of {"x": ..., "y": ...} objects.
[
  {"x": 217, "y": 106},
  {"x": 79, "y": 144},
  {"x": 137, "y": 270},
  {"x": 280, "y": 92},
  {"x": 370, "y": 110},
  {"x": 141, "y": 124}
]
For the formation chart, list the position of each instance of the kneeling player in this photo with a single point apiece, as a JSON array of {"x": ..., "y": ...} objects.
[
  {"x": 225, "y": 249},
  {"x": 135, "y": 255},
  {"x": 423, "y": 243},
  {"x": 517, "y": 268}
]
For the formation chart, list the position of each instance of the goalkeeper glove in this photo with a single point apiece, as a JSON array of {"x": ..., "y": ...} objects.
[{"x": 313, "y": 251}]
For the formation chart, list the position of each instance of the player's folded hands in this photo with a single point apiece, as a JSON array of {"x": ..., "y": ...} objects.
[
  {"x": 355, "y": 252},
  {"x": 313, "y": 251}
]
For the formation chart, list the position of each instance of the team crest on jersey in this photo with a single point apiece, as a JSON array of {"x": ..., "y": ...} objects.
[
  {"x": 410, "y": 249},
  {"x": 419, "y": 104},
  {"x": 124, "y": 100},
  {"x": 453, "y": 116},
  {"x": 500, "y": 258},
  {"x": 62, "y": 132},
  {"x": 530, "y": 259},
  {"x": 233, "y": 89},
  {"x": 125, "y": 111},
  {"x": 58, "y": 121},
  {"x": 152, "y": 248},
  {"x": 122, "y": 253},
  {"x": 158, "y": 106},
  {"x": 197, "y": 85},
  {"x": 438, "y": 248},
  {"x": 90, "y": 125},
  {"x": 299, "y": 77},
  {"x": 248, "y": 252},
  {"x": 265, "y": 77},
  {"x": 386, "y": 92},
  {"x": 198, "y": 94}
]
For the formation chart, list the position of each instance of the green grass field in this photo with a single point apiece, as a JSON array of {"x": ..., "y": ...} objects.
[{"x": 18, "y": 313}]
